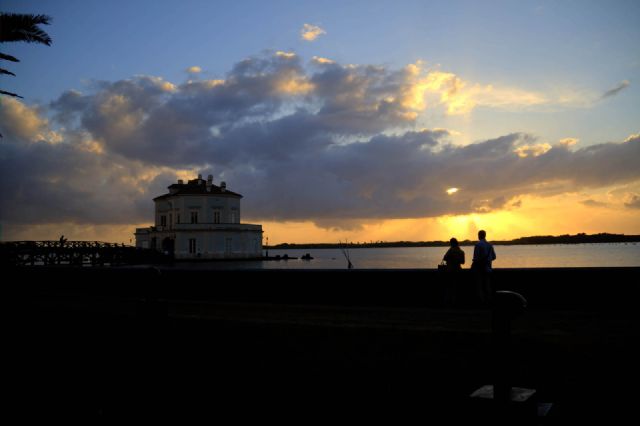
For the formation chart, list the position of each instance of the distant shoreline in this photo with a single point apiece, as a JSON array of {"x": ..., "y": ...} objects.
[{"x": 534, "y": 240}]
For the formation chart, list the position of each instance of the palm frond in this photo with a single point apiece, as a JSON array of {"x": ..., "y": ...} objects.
[
  {"x": 3, "y": 71},
  {"x": 24, "y": 27},
  {"x": 9, "y": 58},
  {"x": 2, "y": 92}
]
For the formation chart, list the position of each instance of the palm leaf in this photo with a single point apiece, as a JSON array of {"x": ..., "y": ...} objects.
[
  {"x": 3, "y": 71},
  {"x": 9, "y": 58},
  {"x": 24, "y": 27},
  {"x": 2, "y": 92}
]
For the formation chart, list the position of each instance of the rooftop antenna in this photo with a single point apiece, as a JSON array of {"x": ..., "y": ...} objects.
[{"x": 345, "y": 252}]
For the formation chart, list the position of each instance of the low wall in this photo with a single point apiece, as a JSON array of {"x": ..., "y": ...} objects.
[{"x": 557, "y": 288}]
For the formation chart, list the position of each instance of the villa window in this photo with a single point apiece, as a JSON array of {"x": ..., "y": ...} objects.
[
  {"x": 192, "y": 246},
  {"x": 163, "y": 220},
  {"x": 216, "y": 216},
  {"x": 194, "y": 217}
]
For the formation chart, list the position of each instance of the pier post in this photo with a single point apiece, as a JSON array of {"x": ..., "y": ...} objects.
[
  {"x": 502, "y": 400},
  {"x": 507, "y": 306}
]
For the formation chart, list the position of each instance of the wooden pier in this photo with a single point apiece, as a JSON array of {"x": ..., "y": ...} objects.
[{"x": 76, "y": 253}]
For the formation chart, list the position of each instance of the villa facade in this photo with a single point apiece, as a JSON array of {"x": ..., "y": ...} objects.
[{"x": 200, "y": 220}]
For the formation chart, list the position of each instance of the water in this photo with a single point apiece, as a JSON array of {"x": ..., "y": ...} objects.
[{"x": 524, "y": 256}]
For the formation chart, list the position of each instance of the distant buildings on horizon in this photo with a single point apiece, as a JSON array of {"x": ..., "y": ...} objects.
[{"x": 580, "y": 238}]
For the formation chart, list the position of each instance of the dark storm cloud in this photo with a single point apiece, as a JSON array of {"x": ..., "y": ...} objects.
[{"x": 334, "y": 145}]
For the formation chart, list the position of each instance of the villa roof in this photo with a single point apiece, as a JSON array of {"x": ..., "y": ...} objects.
[{"x": 197, "y": 187}]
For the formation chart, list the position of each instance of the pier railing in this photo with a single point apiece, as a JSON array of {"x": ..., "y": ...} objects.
[{"x": 77, "y": 253}]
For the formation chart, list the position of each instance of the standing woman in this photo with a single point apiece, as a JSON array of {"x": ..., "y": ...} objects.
[{"x": 454, "y": 258}]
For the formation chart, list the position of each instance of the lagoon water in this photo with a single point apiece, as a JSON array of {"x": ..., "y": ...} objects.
[{"x": 513, "y": 256}]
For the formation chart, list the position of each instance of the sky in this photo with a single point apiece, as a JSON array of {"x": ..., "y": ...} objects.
[{"x": 358, "y": 120}]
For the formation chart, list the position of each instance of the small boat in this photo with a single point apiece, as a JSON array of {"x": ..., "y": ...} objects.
[
  {"x": 306, "y": 257},
  {"x": 278, "y": 257}
]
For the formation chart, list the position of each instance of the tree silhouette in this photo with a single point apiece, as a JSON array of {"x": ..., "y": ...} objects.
[{"x": 21, "y": 27}]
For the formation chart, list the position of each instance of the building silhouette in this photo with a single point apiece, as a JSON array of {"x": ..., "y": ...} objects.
[{"x": 200, "y": 220}]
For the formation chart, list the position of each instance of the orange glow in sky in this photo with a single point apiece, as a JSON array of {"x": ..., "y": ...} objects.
[
  {"x": 536, "y": 216},
  {"x": 360, "y": 126}
]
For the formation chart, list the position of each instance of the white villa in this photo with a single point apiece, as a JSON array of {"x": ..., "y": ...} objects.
[{"x": 199, "y": 220}]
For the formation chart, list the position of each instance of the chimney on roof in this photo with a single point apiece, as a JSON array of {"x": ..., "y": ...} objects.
[
  {"x": 223, "y": 186},
  {"x": 199, "y": 176},
  {"x": 180, "y": 181},
  {"x": 209, "y": 182}
]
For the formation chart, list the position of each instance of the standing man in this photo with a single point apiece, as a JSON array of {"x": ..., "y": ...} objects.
[{"x": 483, "y": 255}]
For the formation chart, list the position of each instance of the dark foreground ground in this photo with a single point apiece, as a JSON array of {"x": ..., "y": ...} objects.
[{"x": 146, "y": 344}]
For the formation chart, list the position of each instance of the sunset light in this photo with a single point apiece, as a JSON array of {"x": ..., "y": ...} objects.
[{"x": 333, "y": 121}]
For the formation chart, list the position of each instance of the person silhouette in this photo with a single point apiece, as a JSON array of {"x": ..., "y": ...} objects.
[
  {"x": 454, "y": 258},
  {"x": 483, "y": 255},
  {"x": 62, "y": 240}
]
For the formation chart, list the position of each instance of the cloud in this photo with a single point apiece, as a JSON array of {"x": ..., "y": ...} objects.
[
  {"x": 615, "y": 90},
  {"x": 632, "y": 137},
  {"x": 594, "y": 203},
  {"x": 287, "y": 55},
  {"x": 151, "y": 119},
  {"x": 317, "y": 60},
  {"x": 632, "y": 201},
  {"x": 516, "y": 204},
  {"x": 20, "y": 121},
  {"x": 524, "y": 151},
  {"x": 194, "y": 70},
  {"x": 334, "y": 145},
  {"x": 567, "y": 142},
  {"x": 459, "y": 96},
  {"x": 311, "y": 32},
  {"x": 75, "y": 181}
]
